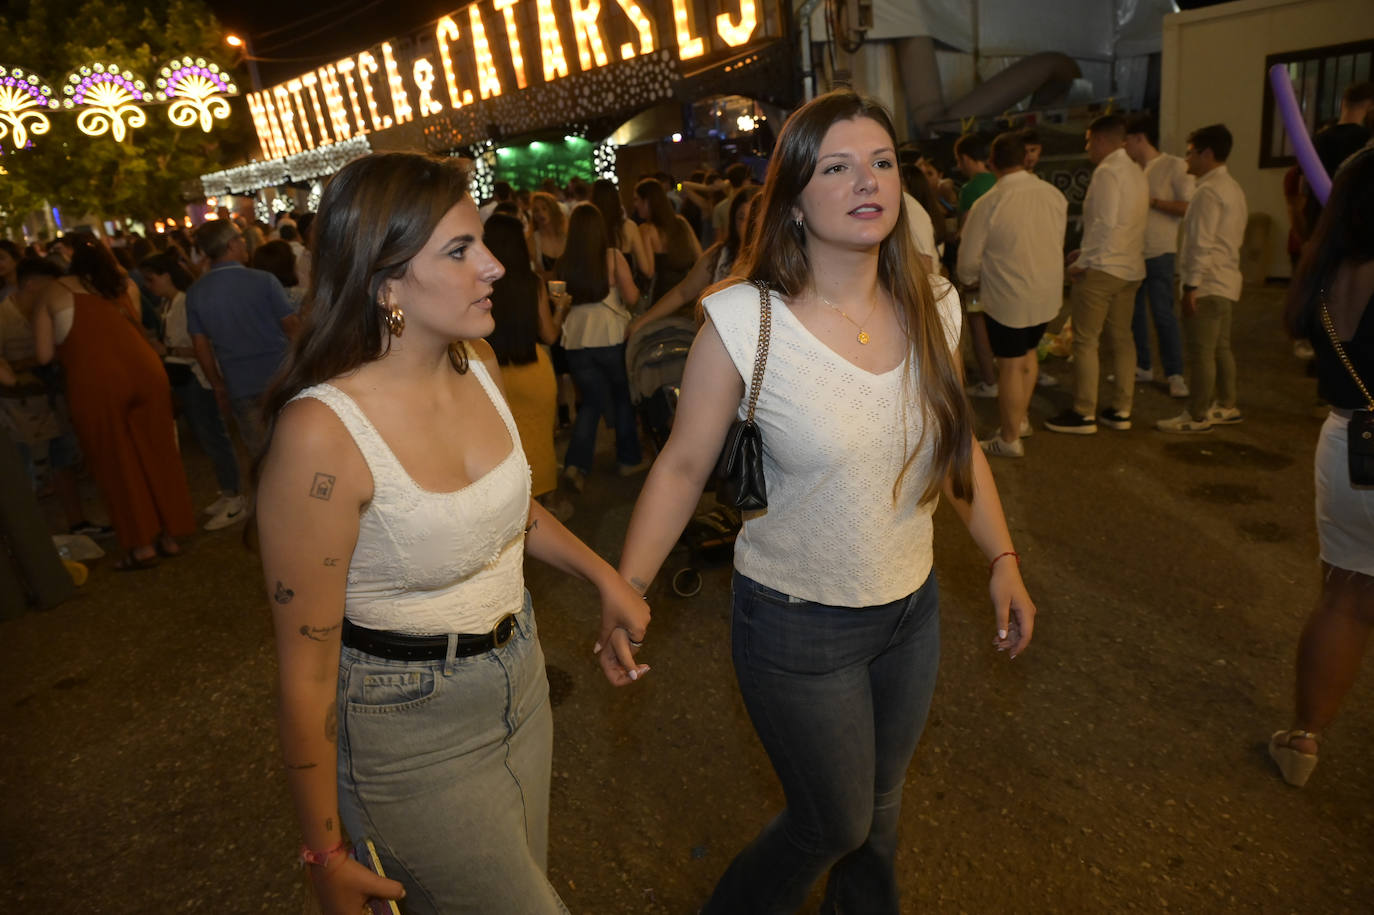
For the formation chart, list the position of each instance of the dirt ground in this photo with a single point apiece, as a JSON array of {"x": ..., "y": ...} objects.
[{"x": 1117, "y": 766}]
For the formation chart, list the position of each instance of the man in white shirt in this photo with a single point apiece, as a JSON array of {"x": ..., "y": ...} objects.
[
  {"x": 1106, "y": 272},
  {"x": 1209, "y": 262},
  {"x": 1013, "y": 250},
  {"x": 1171, "y": 187}
]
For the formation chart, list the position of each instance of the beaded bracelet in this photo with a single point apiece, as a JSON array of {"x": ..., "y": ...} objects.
[{"x": 1011, "y": 553}]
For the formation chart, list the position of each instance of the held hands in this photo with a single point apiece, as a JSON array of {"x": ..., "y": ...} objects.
[
  {"x": 343, "y": 888},
  {"x": 624, "y": 620},
  {"x": 1189, "y": 302},
  {"x": 1071, "y": 263},
  {"x": 1012, "y": 607}
]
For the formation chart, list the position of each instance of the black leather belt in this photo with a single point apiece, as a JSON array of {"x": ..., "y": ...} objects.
[{"x": 397, "y": 646}]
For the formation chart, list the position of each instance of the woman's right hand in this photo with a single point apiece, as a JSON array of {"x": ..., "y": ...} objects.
[{"x": 345, "y": 888}]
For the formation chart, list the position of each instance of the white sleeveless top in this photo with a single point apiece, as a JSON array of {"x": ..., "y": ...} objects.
[
  {"x": 431, "y": 563},
  {"x": 835, "y": 438}
]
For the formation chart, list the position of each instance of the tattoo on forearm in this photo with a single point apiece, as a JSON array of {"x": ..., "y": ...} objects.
[
  {"x": 639, "y": 585},
  {"x": 329, "y": 824},
  {"x": 533, "y": 525},
  {"x": 318, "y": 633},
  {"x": 283, "y": 594},
  {"x": 300, "y": 766},
  {"x": 330, "y": 562},
  {"x": 322, "y": 487},
  {"x": 331, "y": 724}
]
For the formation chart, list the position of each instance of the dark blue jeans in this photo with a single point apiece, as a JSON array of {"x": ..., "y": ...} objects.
[
  {"x": 838, "y": 697},
  {"x": 202, "y": 414},
  {"x": 1158, "y": 290},
  {"x": 599, "y": 373}
]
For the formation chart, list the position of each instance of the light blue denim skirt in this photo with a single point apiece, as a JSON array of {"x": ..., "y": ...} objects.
[{"x": 445, "y": 766}]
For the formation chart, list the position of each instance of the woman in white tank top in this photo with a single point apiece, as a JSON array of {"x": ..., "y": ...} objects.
[
  {"x": 835, "y": 626},
  {"x": 394, "y": 513}
]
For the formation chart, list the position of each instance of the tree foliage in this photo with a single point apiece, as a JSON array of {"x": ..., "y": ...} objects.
[{"x": 155, "y": 170}]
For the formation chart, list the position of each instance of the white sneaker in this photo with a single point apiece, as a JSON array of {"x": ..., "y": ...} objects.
[
  {"x": 1044, "y": 380},
  {"x": 1144, "y": 375},
  {"x": 235, "y": 510},
  {"x": 1184, "y": 422},
  {"x": 1218, "y": 415},
  {"x": 982, "y": 389},
  {"x": 1026, "y": 430},
  {"x": 574, "y": 478},
  {"x": 995, "y": 447},
  {"x": 217, "y": 506},
  {"x": 1303, "y": 349},
  {"x": 1177, "y": 386}
]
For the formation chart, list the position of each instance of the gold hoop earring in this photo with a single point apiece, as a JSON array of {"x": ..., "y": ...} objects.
[{"x": 395, "y": 319}]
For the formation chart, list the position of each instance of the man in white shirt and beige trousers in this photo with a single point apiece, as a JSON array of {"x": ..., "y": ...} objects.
[
  {"x": 1209, "y": 262},
  {"x": 1107, "y": 271},
  {"x": 1012, "y": 249}
]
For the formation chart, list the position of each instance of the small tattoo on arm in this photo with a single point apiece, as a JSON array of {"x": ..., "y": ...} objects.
[
  {"x": 331, "y": 724},
  {"x": 318, "y": 633},
  {"x": 639, "y": 585},
  {"x": 283, "y": 594},
  {"x": 323, "y": 487},
  {"x": 533, "y": 525},
  {"x": 301, "y": 766},
  {"x": 329, "y": 824},
  {"x": 330, "y": 562}
]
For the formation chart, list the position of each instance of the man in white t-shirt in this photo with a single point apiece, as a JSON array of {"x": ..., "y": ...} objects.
[
  {"x": 1171, "y": 187},
  {"x": 1106, "y": 271},
  {"x": 1012, "y": 250}
]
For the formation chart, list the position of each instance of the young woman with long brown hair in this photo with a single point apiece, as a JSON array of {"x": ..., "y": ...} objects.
[
  {"x": 394, "y": 514},
  {"x": 835, "y": 628},
  {"x": 667, "y": 236}
]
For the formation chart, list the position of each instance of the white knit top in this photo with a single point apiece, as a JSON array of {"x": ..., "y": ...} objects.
[
  {"x": 430, "y": 563},
  {"x": 835, "y": 439}
]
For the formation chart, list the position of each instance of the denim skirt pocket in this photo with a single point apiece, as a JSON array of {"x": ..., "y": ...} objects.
[{"x": 378, "y": 690}]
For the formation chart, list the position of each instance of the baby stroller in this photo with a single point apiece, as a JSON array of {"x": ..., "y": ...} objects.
[
  {"x": 654, "y": 358},
  {"x": 709, "y": 541}
]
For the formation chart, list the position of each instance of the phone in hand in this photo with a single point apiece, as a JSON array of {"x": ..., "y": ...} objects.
[{"x": 366, "y": 853}]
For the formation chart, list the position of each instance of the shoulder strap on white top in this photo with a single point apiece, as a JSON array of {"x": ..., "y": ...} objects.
[
  {"x": 479, "y": 369},
  {"x": 380, "y": 461}
]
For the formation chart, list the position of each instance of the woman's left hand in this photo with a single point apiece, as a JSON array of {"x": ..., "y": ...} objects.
[
  {"x": 624, "y": 621},
  {"x": 1012, "y": 606}
]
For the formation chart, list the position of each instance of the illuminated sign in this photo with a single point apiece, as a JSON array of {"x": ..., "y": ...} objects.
[{"x": 488, "y": 49}]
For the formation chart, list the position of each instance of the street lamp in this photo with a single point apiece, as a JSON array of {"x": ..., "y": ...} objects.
[{"x": 246, "y": 47}]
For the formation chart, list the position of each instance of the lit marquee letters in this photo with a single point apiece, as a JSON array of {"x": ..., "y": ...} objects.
[
  {"x": 380, "y": 80},
  {"x": 735, "y": 34}
]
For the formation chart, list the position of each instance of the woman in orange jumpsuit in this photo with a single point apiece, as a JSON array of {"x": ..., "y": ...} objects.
[{"x": 121, "y": 404}]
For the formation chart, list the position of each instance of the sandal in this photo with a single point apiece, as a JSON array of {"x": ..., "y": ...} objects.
[
  {"x": 1295, "y": 766},
  {"x": 131, "y": 563},
  {"x": 166, "y": 553}
]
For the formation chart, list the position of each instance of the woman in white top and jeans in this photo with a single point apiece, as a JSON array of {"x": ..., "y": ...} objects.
[
  {"x": 599, "y": 282},
  {"x": 835, "y": 629},
  {"x": 394, "y": 513}
]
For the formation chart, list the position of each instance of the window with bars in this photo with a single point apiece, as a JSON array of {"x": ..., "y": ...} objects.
[{"x": 1319, "y": 77}]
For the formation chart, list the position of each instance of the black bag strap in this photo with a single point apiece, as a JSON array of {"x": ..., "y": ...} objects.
[
  {"x": 761, "y": 357},
  {"x": 1335, "y": 344}
]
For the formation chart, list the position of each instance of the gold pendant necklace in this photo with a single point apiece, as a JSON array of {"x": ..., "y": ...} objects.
[{"x": 862, "y": 337}]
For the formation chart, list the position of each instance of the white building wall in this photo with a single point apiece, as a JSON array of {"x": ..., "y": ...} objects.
[{"x": 1213, "y": 71}]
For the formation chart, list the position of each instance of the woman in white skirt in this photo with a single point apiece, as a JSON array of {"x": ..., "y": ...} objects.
[{"x": 1332, "y": 297}]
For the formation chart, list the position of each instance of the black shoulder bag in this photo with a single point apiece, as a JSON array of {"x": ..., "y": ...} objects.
[
  {"x": 739, "y": 471},
  {"x": 1360, "y": 437}
]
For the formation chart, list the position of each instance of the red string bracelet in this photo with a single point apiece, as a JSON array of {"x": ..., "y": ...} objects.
[
  {"x": 321, "y": 858},
  {"x": 1011, "y": 553}
]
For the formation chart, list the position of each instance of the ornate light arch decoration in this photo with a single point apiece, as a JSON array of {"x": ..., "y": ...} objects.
[
  {"x": 110, "y": 100},
  {"x": 197, "y": 91},
  {"x": 25, "y": 100}
]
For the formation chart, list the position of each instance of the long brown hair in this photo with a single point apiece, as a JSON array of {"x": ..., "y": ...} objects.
[
  {"x": 582, "y": 265},
  {"x": 778, "y": 256},
  {"x": 376, "y": 214},
  {"x": 673, "y": 228}
]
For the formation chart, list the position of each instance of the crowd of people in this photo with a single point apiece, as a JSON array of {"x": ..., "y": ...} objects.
[{"x": 394, "y": 370}]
